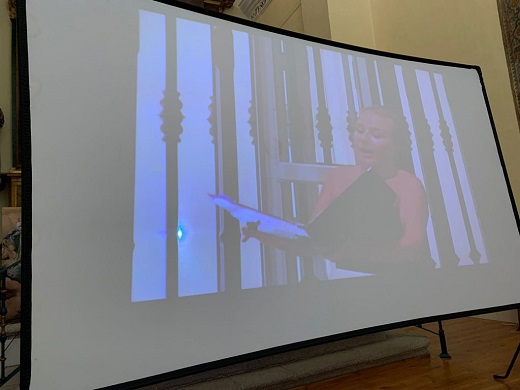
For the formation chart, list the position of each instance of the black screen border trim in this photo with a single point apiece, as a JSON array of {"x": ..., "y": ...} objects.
[
  {"x": 499, "y": 151},
  {"x": 26, "y": 162},
  {"x": 217, "y": 364},
  {"x": 204, "y": 367},
  {"x": 305, "y": 37},
  {"x": 25, "y": 135}
]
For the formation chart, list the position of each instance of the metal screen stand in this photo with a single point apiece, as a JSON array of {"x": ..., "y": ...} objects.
[
  {"x": 442, "y": 339},
  {"x": 510, "y": 365}
]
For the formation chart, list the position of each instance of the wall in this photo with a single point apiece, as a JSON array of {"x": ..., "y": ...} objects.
[
  {"x": 285, "y": 14},
  {"x": 351, "y": 22}
]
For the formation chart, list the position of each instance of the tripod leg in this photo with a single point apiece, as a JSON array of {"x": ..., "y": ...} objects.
[
  {"x": 442, "y": 338},
  {"x": 510, "y": 365}
]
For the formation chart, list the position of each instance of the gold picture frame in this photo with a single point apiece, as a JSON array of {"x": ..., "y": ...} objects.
[{"x": 509, "y": 15}]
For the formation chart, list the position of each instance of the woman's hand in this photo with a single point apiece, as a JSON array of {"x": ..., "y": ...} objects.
[{"x": 250, "y": 230}]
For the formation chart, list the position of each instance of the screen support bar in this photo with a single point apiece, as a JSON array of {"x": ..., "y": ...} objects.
[
  {"x": 442, "y": 339},
  {"x": 510, "y": 365}
]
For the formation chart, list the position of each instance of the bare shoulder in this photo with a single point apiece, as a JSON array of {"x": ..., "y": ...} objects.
[
  {"x": 406, "y": 182},
  {"x": 339, "y": 179},
  {"x": 345, "y": 172}
]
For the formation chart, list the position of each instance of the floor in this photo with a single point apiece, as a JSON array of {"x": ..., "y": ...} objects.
[{"x": 479, "y": 349}]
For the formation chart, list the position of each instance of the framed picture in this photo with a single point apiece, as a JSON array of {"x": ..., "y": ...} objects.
[{"x": 509, "y": 15}]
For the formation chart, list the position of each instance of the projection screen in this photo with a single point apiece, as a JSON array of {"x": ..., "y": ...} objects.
[{"x": 203, "y": 189}]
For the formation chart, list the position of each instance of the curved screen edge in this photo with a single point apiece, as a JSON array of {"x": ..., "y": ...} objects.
[{"x": 223, "y": 190}]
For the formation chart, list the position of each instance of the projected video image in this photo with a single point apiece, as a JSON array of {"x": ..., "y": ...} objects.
[{"x": 267, "y": 161}]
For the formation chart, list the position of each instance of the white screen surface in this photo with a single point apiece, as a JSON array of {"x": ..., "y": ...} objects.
[{"x": 139, "y": 110}]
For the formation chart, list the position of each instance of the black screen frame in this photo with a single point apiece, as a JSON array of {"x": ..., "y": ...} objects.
[{"x": 25, "y": 135}]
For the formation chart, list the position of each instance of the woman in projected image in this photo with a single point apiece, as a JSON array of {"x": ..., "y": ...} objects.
[
  {"x": 373, "y": 214},
  {"x": 380, "y": 140}
]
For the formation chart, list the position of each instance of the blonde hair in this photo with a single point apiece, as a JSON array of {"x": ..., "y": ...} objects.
[{"x": 400, "y": 134}]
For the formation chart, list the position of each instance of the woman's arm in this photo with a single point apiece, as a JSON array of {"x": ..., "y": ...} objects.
[
  {"x": 413, "y": 214},
  {"x": 294, "y": 246}
]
